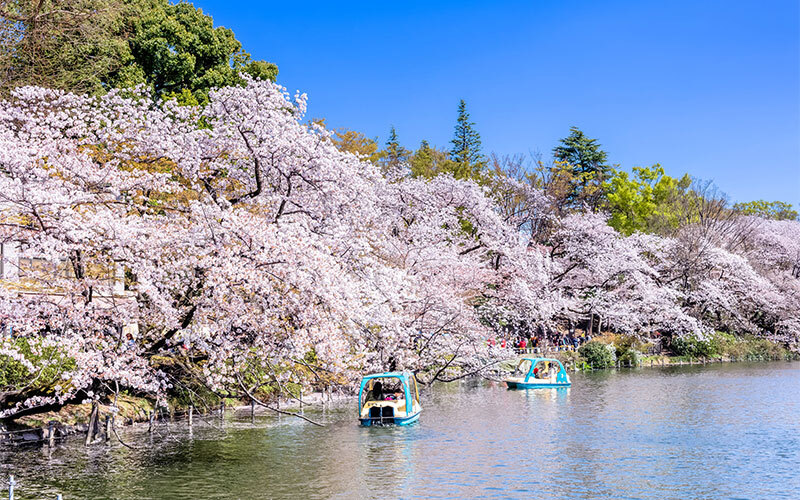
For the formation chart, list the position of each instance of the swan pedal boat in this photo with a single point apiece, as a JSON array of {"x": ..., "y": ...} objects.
[
  {"x": 549, "y": 373},
  {"x": 398, "y": 406}
]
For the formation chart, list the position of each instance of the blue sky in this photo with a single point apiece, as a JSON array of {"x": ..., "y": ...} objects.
[{"x": 706, "y": 87}]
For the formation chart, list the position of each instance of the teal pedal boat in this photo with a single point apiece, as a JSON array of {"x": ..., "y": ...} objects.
[
  {"x": 538, "y": 373},
  {"x": 390, "y": 398}
]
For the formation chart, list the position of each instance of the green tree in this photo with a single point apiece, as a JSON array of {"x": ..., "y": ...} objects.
[
  {"x": 598, "y": 355},
  {"x": 178, "y": 48},
  {"x": 351, "y": 141},
  {"x": 588, "y": 164},
  {"x": 89, "y": 46},
  {"x": 468, "y": 160},
  {"x": 777, "y": 210},
  {"x": 644, "y": 201},
  {"x": 428, "y": 162},
  {"x": 422, "y": 161},
  {"x": 64, "y": 44},
  {"x": 395, "y": 155}
]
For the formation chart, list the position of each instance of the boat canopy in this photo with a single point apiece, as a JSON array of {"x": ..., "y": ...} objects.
[
  {"x": 562, "y": 373},
  {"x": 406, "y": 378}
]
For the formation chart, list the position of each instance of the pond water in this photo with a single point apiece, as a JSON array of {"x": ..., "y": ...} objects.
[{"x": 715, "y": 431}]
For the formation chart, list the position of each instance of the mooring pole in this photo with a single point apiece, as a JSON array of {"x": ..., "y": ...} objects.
[
  {"x": 191, "y": 411},
  {"x": 51, "y": 434},
  {"x": 108, "y": 429},
  {"x": 252, "y": 411},
  {"x": 150, "y": 429},
  {"x": 11, "y": 484},
  {"x": 93, "y": 421}
]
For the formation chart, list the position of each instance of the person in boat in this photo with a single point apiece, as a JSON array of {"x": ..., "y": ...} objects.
[{"x": 376, "y": 394}]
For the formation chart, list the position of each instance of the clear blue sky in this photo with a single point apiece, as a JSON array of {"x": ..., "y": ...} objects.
[{"x": 706, "y": 87}]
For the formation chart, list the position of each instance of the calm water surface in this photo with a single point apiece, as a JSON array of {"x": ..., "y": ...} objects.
[{"x": 721, "y": 431}]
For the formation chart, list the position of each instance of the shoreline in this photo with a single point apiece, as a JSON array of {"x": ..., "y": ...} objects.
[{"x": 72, "y": 421}]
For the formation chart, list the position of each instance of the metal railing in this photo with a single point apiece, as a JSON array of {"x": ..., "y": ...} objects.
[{"x": 545, "y": 350}]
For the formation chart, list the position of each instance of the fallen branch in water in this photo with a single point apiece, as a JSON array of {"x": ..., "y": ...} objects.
[
  {"x": 123, "y": 443},
  {"x": 276, "y": 410}
]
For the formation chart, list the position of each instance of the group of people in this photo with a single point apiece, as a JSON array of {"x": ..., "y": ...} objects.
[
  {"x": 378, "y": 393},
  {"x": 544, "y": 338},
  {"x": 542, "y": 370}
]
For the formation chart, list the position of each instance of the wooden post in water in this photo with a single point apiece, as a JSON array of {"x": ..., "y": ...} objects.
[
  {"x": 150, "y": 428},
  {"x": 191, "y": 414},
  {"x": 222, "y": 410},
  {"x": 252, "y": 411},
  {"x": 11, "y": 484},
  {"x": 108, "y": 429},
  {"x": 51, "y": 435},
  {"x": 92, "y": 418}
]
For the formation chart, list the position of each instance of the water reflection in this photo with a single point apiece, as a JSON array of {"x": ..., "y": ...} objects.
[{"x": 721, "y": 431}]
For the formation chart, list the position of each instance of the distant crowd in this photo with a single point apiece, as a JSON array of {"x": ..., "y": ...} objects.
[{"x": 543, "y": 338}]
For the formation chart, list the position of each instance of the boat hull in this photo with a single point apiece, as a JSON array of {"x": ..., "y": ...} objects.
[
  {"x": 406, "y": 420},
  {"x": 536, "y": 385}
]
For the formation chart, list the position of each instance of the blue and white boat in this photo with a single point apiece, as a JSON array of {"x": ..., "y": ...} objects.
[
  {"x": 389, "y": 398},
  {"x": 538, "y": 373}
]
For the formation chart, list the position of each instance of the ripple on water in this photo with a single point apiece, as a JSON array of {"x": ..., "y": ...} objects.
[{"x": 719, "y": 431}]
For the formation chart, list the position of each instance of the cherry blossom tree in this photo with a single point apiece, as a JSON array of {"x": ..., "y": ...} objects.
[{"x": 235, "y": 246}]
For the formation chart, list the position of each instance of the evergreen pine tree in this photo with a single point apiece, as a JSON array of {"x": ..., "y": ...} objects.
[
  {"x": 587, "y": 164},
  {"x": 394, "y": 154},
  {"x": 422, "y": 161},
  {"x": 466, "y": 150}
]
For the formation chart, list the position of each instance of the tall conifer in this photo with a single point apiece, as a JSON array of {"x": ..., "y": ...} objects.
[{"x": 466, "y": 151}]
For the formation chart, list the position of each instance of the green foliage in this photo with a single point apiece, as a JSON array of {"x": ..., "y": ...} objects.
[
  {"x": 89, "y": 46},
  {"x": 693, "y": 347},
  {"x": 65, "y": 44},
  {"x": 468, "y": 161},
  {"x": 49, "y": 366},
  {"x": 428, "y": 162},
  {"x": 351, "y": 141},
  {"x": 777, "y": 210},
  {"x": 587, "y": 163},
  {"x": 646, "y": 201},
  {"x": 725, "y": 345},
  {"x": 178, "y": 47},
  {"x": 628, "y": 357},
  {"x": 598, "y": 355},
  {"x": 395, "y": 155},
  {"x": 629, "y": 349}
]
